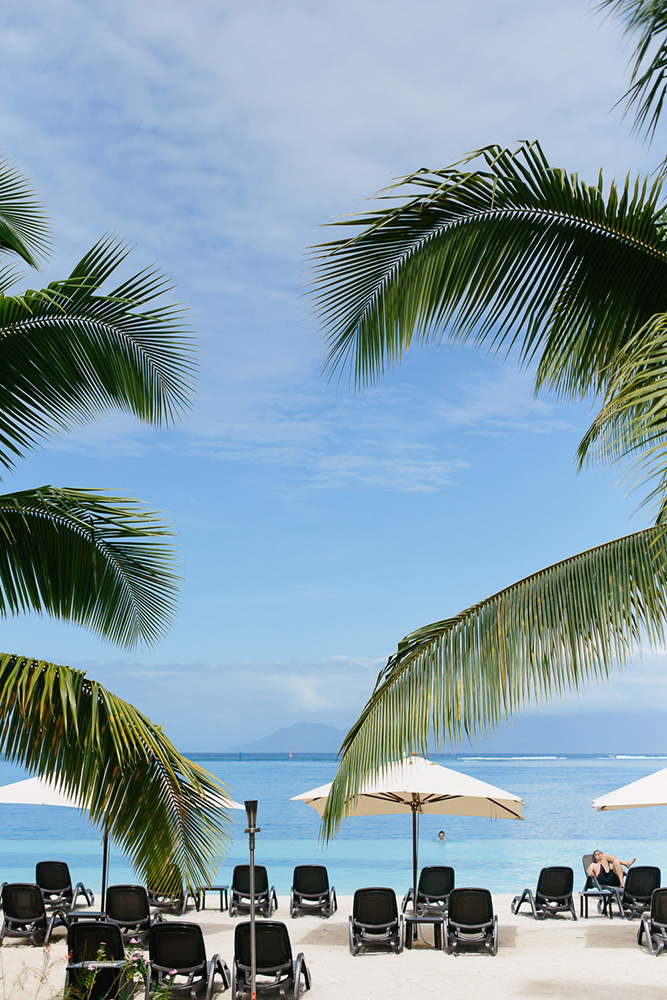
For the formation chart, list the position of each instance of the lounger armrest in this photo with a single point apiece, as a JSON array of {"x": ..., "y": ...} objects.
[
  {"x": 218, "y": 965},
  {"x": 301, "y": 967}
]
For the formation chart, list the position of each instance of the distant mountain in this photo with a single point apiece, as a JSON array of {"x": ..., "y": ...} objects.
[
  {"x": 302, "y": 737},
  {"x": 540, "y": 733}
]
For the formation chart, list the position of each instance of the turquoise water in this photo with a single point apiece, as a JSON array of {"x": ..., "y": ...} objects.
[{"x": 505, "y": 855}]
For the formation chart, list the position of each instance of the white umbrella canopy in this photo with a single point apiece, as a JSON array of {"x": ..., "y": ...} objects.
[
  {"x": 37, "y": 792},
  {"x": 648, "y": 791},
  {"x": 418, "y": 785}
]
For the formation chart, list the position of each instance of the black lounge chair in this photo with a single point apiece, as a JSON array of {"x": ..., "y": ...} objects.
[
  {"x": 96, "y": 966},
  {"x": 55, "y": 882},
  {"x": 375, "y": 920},
  {"x": 635, "y": 896},
  {"x": 128, "y": 906},
  {"x": 25, "y": 916},
  {"x": 435, "y": 884},
  {"x": 470, "y": 920},
  {"x": 655, "y": 923},
  {"x": 266, "y": 900},
  {"x": 604, "y": 894},
  {"x": 553, "y": 894},
  {"x": 311, "y": 891},
  {"x": 276, "y": 969},
  {"x": 177, "y": 952}
]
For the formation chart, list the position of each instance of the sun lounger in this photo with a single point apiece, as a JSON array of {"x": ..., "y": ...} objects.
[
  {"x": 553, "y": 894},
  {"x": 178, "y": 958},
  {"x": 375, "y": 920},
  {"x": 471, "y": 921},
  {"x": 128, "y": 906},
  {"x": 435, "y": 884},
  {"x": 311, "y": 891},
  {"x": 654, "y": 924},
  {"x": 96, "y": 967},
  {"x": 635, "y": 896},
  {"x": 276, "y": 969},
  {"x": 266, "y": 900},
  {"x": 55, "y": 882},
  {"x": 25, "y": 916}
]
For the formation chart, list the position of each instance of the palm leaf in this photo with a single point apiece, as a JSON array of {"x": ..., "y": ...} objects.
[
  {"x": 514, "y": 254},
  {"x": 71, "y": 352},
  {"x": 546, "y": 635},
  {"x": 160, "y": 808},
  {"x": 633, "y": 417},
  {"x": 88, "y": 558},
  {"x": 23, "y": 229},
  {"x": 647, "y": 90}
]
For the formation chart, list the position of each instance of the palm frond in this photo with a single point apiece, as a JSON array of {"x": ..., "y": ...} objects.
[
  {"x": 88, "y": 558},
  {"x": 516, "y": 254},
  {"x": 633, "y": 418},
  {"x": 648, "y": 86},
  {"x": 71, "y": 352},
  {"x": 23, "y": 229},
  {"x": 546, "y": 635},
  {"x": 161, "y": 809}
]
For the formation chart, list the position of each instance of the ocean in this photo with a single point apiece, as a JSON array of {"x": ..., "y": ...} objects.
[{"x": 503, "y": 855}]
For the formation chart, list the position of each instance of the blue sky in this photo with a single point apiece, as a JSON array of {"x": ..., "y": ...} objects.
[{"x": 316, "y": 527}]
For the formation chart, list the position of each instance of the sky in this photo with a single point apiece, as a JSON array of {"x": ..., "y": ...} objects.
[{"x": 315, "y": 527}]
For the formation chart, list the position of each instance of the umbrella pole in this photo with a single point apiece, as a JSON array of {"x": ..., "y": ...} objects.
[
  {"x": 105, "y": 861},
  {"x": 415, "y": 806}
]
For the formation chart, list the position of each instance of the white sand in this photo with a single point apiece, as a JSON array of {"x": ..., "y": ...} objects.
[{"x": 595, "y": 959}]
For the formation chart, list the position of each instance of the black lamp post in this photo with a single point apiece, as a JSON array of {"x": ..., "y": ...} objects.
[{"x": 252, "y": 829}]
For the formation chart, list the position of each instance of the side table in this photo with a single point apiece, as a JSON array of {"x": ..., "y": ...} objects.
[
  {"x": 224, "y": 895},
  {"x": 412, "y": 922}
]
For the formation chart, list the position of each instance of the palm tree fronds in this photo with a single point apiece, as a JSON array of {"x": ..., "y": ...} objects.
[
  {"x": 162, "y": 809},
  {"x": 648, "y": 86},
  {"x": 633, "y": 417},
  {"x": 89, "y": 558},
  {"x": 72, "y": 352},
  {"x": 515, "y": 254},
  {"x": 23, "y": 228},
  {"x": 546, "y": 635}
]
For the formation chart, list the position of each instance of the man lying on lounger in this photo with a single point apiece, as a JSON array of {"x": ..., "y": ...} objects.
[{"x": 607, "y": 869}]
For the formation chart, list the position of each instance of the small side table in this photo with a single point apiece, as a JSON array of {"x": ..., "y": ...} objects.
[
  {"x": 604, "y": 896},
  {"x": 224, "y": 895},
  {"x": 73, "y": 916},
  {"x": 411, "y": 923}
]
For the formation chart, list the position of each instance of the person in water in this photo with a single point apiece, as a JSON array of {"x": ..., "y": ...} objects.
[
  {"x": 441, "y": 835},
  {"x": 607, "y": 869}
]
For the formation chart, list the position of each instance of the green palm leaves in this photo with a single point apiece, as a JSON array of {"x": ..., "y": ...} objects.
[
  {"x": 647, "y": 87},
  {"x": 160, "y": 808},
  {"x": 87, "y": 558},
  {"x": 68, "y": 353},
  {"x": 71, "y": 352},
  {"x": 546, "y": 635},
  {"x": 505, "y": 250},
  {"x": 516, "y": 254}
]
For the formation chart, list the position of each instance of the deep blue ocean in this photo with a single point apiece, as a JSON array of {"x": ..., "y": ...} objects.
[{"x": 504, "y": 855}]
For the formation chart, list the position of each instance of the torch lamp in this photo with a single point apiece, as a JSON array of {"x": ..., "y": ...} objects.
[{"x": 252, "y": 829}]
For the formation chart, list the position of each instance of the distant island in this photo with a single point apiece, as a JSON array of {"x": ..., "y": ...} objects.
[
  {"x": 302, "y": 737},
  {"x": 541, "y": 733}
]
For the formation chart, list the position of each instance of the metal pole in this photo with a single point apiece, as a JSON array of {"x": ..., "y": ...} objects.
[
  {"x": 105, "y": 863},
  {"x": 252, "y": 829}
]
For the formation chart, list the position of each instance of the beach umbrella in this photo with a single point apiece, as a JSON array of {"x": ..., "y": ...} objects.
[
  {"x": 419, "y": 786},
  {"x": 648, "y": 791},
  {"x": 37, "y": 792}
]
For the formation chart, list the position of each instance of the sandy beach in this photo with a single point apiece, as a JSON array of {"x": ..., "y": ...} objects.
[{"x": 557, "y": 958}]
